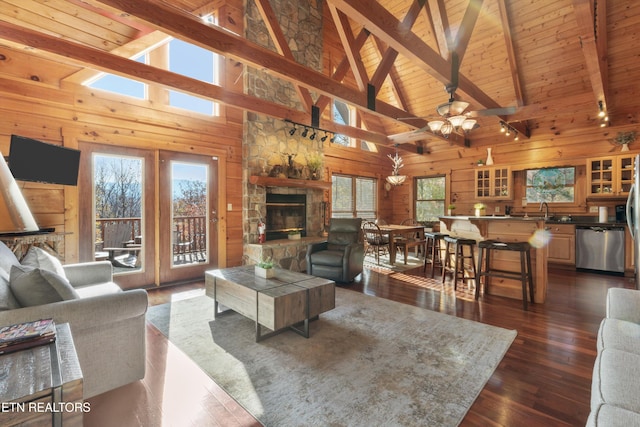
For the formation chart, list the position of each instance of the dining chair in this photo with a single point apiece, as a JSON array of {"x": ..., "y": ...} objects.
[
  {"x": 375, "y": 240},
  {"x": 415, "y": 240}
]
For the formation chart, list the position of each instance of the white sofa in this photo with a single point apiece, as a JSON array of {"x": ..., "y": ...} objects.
[
  {"x": 107, "y": 324},
  {"x": 615, "y": 389}
]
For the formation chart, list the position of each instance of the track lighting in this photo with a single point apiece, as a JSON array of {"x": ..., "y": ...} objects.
[
  {"x": 602, "y": 114},
  {"x": 507, "y": 129},
  {"x": 310, "y": 131}
]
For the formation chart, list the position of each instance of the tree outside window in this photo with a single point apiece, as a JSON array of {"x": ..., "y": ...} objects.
[{"x": 430, "y": 198}]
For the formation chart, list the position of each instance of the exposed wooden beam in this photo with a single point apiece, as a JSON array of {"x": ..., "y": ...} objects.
[
  {"x": 593, "y": 39},
  {"x": 352, "y": 52},
  {"x": 511, "y": 54},
  {"x": 384, "y": 25},
  {"x": 273, "y": 27},
  {"x": 181, "y": 24},
  {"x": 463, "y": 35},
  {"x": 77, "y": 54},
  {"x": 393, "y": 74},
  {"x": 439, "y": 25}
]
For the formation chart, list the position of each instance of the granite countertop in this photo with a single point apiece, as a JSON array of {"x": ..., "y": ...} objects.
[{"x": 570, "y": 220}]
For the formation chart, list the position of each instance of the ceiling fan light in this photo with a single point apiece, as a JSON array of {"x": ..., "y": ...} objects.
[
  {"x": 457, "y": 121},
  {"x": 443, "y": 109},
  {"x": 446, "y": 129},
  {"x": 457, "y": 107},
  {"x": 468, "y": 124},
  {"x": 435, "y": 125}
]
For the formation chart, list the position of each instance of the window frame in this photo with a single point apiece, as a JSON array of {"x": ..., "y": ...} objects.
[
  {"x": 444, "y": 200},
  {"x": 356, "y": 181}
]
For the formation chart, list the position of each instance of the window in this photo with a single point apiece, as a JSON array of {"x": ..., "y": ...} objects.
[
  {"x": 121, "y": 85},
  {"x": 344, "y": 115},
  {"x": 195, "y": 62},
  {"x": 430, "y": 198},
  {"x": 353, "y": 197},
  {"x": 552, "y": 185}
]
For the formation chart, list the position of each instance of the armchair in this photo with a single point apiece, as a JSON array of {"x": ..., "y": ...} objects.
[{"x": 340, "y": 258}]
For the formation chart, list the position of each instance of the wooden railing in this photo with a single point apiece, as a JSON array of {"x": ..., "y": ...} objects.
[{"x": 189, "y": 233}]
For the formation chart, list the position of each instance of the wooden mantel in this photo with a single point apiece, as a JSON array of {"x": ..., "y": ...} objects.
[{"x": 267, "y": 181}]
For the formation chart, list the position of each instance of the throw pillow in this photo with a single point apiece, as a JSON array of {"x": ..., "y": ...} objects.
[
  {"x": 39, "y": 258},
  {"x": 7, "y": 258},
  {"x": 7, "y": 300},
  {"x": 36, "y": 286}
]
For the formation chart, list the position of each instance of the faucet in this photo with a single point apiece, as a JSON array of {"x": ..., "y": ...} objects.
[{"x": 546, "y": 209}]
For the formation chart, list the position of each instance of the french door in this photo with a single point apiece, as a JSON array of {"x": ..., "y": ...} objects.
[
  {"x": 188, "y": 234},
  {"x": 151, "y": 214}
]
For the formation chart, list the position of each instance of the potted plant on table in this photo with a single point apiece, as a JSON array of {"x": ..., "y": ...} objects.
[
  {"x": 479, "y": 209},
  {"x": 265, "y": 269},
  {"x": 294, "y": 235}
]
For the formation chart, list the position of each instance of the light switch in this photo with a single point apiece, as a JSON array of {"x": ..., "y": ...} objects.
[{"x": 229, "y": 206}]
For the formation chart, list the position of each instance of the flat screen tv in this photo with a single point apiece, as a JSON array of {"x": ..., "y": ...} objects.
[{"x": 33, "y": 160}]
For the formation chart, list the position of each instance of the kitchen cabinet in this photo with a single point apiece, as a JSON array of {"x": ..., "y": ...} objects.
[
  {"x": 562, "y": 244},
  {"x": 493, "y": 183},
  {"x": 610, "y": 176}
]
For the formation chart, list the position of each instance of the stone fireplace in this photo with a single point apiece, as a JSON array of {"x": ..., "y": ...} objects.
[{"x": 267, "y": 142}]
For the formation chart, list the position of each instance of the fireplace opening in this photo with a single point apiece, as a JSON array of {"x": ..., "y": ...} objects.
[{"x": 286, "y": 213}]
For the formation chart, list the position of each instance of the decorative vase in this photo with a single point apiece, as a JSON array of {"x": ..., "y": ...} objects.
[
  {"x": 449, "y": 212},
  {"x": 489, "y": 158},
  {"x": 479, "y": 212},
  {"x": 267, "y": 273},
  {"x": 625, "y": 147}
]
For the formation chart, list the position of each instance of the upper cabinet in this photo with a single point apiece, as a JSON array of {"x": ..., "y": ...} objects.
[
  {"x": 610, "y": 176},
  {"x": 493, "y": 183}
]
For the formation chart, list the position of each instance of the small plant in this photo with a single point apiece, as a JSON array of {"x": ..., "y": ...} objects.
[
  {"x": 314, "y": 162},
  {"x": 479, "y": 206},
  {"x": 293, "y": 232},
  {"x": 624, "y": 138},
  {"x": 266, "y": 263},
  {"x": 451, "y": 207}
]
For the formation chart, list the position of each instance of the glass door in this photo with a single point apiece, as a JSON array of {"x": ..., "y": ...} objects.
[
  {"x": 116, "y": 186},
  {"x": 188, "y": 233}
]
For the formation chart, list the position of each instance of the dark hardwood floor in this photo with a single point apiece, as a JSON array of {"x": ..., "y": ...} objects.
[{"x": 543, "y": 380}]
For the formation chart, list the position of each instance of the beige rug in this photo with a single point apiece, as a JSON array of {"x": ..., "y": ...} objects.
[{"x": 370, "y": 361}]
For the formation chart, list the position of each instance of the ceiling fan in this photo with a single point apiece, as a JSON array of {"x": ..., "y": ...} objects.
[{"x": 452, "y": 117}]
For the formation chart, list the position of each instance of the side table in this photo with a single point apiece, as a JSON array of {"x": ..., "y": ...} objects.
[{"x": 42, "y": 385}]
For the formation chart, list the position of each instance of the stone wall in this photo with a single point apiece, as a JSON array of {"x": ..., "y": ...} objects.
[{"x": 266, "y": 141}]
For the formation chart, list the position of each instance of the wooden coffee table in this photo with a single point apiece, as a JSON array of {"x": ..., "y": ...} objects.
[{"x": 287, "y": 300}]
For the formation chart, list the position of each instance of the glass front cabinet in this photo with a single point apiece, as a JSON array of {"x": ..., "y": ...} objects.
[
  {"x": 493, "y": 183},
  {"x": 610, "y": 176}
]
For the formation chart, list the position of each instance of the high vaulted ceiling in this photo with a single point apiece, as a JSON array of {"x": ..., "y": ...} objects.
[{"x": 554, "y": 59}]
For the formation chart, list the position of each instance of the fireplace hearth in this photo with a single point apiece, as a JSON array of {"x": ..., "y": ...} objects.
[{"x": 286, "y": 213}]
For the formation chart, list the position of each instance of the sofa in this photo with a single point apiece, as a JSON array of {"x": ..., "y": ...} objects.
[
  {"x": 340, "y": 258},
  {"x": 615, "y": 388},
  {"x": 107, "y": 324}
]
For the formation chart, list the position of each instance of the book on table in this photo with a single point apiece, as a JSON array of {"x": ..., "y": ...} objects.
[{"x": 25, "y": 335}]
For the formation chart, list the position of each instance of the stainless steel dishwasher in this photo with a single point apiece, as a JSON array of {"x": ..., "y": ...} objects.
[{"x": 600, "y": 248}]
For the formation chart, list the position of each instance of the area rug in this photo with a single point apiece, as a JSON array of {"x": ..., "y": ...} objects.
[{"x": 370, "y": 361}]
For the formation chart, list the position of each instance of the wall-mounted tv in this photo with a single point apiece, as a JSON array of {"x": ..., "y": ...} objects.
[{"x": 33, "y": 160}]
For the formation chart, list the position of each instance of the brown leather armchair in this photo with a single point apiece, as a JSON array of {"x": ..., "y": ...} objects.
[{"x": 340, "y": 258}]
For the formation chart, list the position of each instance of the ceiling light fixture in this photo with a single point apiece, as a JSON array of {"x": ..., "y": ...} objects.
[
  {"x": 292, "y": 130},
  {"x": 396, "y": 178},
  {"x": 507, "y": 129},
  {"x": 312, "y": 132},
  {"x": 305, "y": 132},
  {"x": 602, "y": 114},
  {"x": 452, "y": 119}
]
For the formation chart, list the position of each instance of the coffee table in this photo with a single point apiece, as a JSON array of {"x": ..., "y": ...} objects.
[{"x": 287, "y": 300}]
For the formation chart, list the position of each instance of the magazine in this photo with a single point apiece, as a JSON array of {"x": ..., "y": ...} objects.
[{"x": 25, "y": 335}]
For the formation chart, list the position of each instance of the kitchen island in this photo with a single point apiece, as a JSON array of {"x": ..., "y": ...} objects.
[{"x": 506, "y": 229}]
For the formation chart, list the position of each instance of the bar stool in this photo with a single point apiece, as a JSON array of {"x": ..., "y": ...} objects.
[
  {"x": 433, "y": 250},
  {"x": 458, "y": 244},
  {"x": 524, "y": 275}
]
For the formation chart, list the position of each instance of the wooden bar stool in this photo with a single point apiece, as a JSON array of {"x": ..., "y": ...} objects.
[
  {"x": 433, "y": 251},
  {"x": 524, "y": 275},
  {"x": 459, "y": 256}
]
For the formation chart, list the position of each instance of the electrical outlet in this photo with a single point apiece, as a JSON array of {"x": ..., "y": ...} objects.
[
  {"x": 497, "y": 210},
  {"x": 229, "y": 207},
  {"x": 593, "y": 209}
]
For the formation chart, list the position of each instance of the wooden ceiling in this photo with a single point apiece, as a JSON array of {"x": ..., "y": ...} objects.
[{"x": 553, "y": 59}]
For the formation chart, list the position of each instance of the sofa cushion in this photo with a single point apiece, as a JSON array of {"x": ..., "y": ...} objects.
[
  {"x": 36, "y": 286},
  {"x": 7, "y": 300},
  {"x": 612, "y": 416},
  {"x": 7, "y": 258},
  {"x": 619, "y": 334},
  {"x": 98, "y": 290},
  {"x": 615, "y": 380},
  {"x": 329, "y": 257},
  {"x": 39, "y": 258}
]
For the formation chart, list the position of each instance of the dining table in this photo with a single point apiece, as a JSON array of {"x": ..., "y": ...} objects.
[{"x": 395, "y": 230}]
